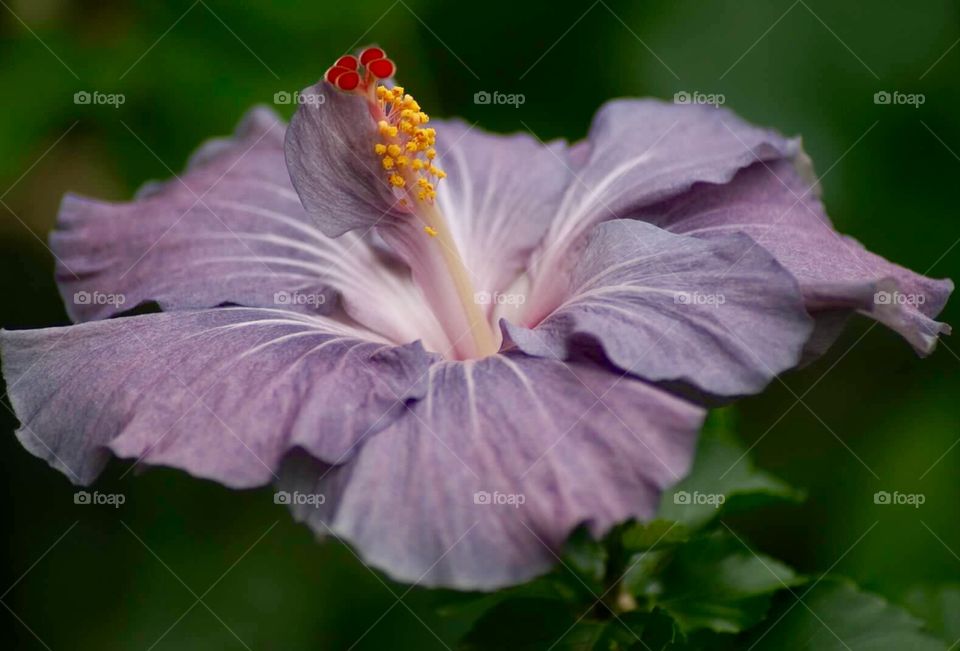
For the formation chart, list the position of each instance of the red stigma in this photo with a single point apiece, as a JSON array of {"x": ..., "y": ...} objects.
[
  {"x": 348, "y": 81},
  {"x": 350, "y": 73},
  {"x": 334, "y": 72},
  {"x": 371, "y": 54},
  {"x": 382, "y": 68},
  {"x": 349, "y": 62}
]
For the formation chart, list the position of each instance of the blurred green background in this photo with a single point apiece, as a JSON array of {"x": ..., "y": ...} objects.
[{"x": 871, "y": 416}]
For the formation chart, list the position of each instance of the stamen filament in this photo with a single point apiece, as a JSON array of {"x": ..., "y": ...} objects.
[{"x": 485, "y": 343}]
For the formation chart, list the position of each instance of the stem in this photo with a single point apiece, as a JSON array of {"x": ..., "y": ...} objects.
[{"x": 484, "y": 340}]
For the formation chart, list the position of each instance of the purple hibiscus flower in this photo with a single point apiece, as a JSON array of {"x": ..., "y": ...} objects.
[{"x": 467, "y": 343}]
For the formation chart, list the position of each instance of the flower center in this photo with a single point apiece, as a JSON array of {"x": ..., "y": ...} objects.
[{"x": 406, "y": 151}]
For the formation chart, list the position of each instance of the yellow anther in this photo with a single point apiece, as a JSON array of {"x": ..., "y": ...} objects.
[
  {"x": 404, "y": 140},
  {"x": 386, "y": 129},
  {"x": 432, "y": 232}
]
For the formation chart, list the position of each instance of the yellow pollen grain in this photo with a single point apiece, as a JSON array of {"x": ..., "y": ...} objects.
[
  {"x": 386, "y": 129},
  {"x": 432, "y": 232},
  {"x": 407, "y": 145}
]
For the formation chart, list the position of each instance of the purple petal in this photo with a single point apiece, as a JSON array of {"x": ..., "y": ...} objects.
[
  {"x": 776, "y": 207},
  {"x": 222, "y": 394},
  {"x": 642, "y": 151},
  {"x": 719, "y": 314},
  {"x": 231, "y": 229},
  {"x": 578, "y": 443},
  {"x": 499, "y": 197},
  {"x": 329, "y": 152}
]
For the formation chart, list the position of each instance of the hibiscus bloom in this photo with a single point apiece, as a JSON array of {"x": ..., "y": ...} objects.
[{"x": 467, "y": 343}]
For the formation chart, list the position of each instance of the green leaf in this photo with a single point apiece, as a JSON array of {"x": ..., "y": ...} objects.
[
  {"x": 654, "y": 631},
  {"x": 717, "y": 583},
  {"x": 655, "y": 534},
  {"x": 723, "y": 480},
  {"x": 836, "y": 616},
  {"x": 469, "y": 607},
  {"x": 939, "y": 607},
  {"x": 529, "y": 624}
]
